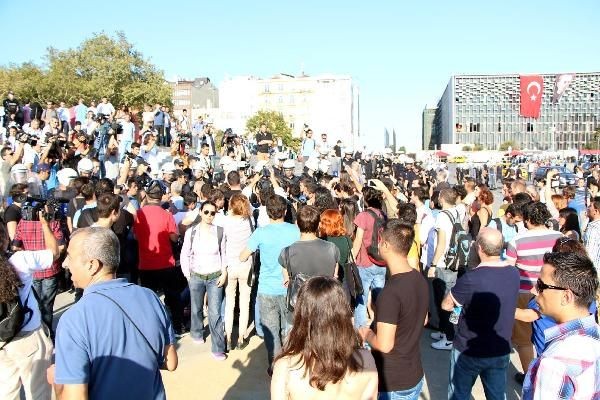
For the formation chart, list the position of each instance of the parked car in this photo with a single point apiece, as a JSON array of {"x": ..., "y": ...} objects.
[{"x": 565, "y": 177}]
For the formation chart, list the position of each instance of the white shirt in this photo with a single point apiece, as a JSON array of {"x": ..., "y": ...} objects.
[
  {"x": 236, "y": 234},
  {"x": 105, "y": 109},
  {"x": 201, "y": 254},
  {"x": 27, "y": 262},
  {"x": 128, "y": 131}
]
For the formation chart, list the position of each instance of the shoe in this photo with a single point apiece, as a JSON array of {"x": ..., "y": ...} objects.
[
  {"x": 242, "y": 344},
  {"x": 438, "y": 336},
  {"x": 219, "y": 356},
  {"x": 179, "y": 333},
  {"x": 198, "y": 341},
  {"x": 520, "y": 377},
  {"x": 442, "y": 344}
]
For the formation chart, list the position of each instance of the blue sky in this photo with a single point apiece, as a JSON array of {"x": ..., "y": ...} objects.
[{"x": 401, "y": 55}]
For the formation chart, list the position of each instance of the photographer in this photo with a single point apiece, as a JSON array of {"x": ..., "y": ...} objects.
[
  {"x": 25, "y": 357},
  {"x": 27, "y": 237},
  {"x": 8, "y": 159},
  {"x": 12, "y": 215}
]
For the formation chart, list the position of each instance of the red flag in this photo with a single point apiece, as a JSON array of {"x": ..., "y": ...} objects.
[{"x": 532, "y": 87}]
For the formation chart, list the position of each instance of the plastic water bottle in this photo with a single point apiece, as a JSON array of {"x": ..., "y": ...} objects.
[{"x": 455, "y": 314}]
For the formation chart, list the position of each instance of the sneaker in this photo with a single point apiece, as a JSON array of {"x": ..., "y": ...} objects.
[
  {"x": 442, "y": 344},
  {"x": 219, "y": 356},
  {"x": 198, "y": 341},
  {"x": 520, "y": 377},
  {"x": 438, "y": 336},
  {"x": 179, "y": 333}
]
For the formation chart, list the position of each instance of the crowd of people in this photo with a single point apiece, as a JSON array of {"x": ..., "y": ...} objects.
[{"x": 338, "y": 260}]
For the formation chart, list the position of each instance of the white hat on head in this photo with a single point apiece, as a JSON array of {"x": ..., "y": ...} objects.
[
  {"x": 66, "y": 175},
  {"x": 85, "y": 165},
  {"x": 167, "y": 168},
  {"x": 281, "y": 156},
  {"x": 347, "y": 150},
  {"x": 312, "y": 163},
  {"x": 324, "y": 165},
  {"x": 289, "y": 164}
]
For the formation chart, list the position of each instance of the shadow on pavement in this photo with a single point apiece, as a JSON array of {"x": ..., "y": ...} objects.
[{"x": 253, "y": 382}]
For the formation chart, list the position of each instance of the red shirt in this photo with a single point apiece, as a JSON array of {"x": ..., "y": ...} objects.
[
  {"x": 152, "y": 228},
  {"x": 365, "y": 221}
]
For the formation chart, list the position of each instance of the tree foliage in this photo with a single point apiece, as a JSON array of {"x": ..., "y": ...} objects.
[
  {"x": 510, "y": 143},
  {"x": 477, "y": 147},
  {"x": 102, "y": 66},
  {"x": 466, "y": 148},
  {"x": 275, "y": 124},
  {"x": 594, "y": 142},
  {"x": 402, "y": 149}
]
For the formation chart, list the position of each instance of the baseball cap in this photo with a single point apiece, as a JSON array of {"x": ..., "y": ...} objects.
[
  {"x": 178, "y": 161},
  {"x": 66, "y": 175},
  {"x": 43, "y": 167}
]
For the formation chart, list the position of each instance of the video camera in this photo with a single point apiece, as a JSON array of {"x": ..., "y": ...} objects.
[
  {"x": 51, "y": 208},
  {"x": 26, "y": 138}
]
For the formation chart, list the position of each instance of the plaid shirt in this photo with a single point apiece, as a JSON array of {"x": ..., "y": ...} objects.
[
  {"x": 29, "y": 236},
  {"x": 569, "y": 368}
]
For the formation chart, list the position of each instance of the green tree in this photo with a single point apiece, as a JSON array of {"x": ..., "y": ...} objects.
[
  {"x": 466, "y": 148},
  {"x": 477, "y": 147},
  {"x": 102, "y": 66},
  {"x": 402, "y": 149},
  {"x": 510, "y": 143},
  {"x": 594, "y": 142},
  {"x": 276, "y": 125}
]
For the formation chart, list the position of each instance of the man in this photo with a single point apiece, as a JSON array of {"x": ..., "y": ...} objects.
[
  {"x": 80, "y": 112},
  {"x": 482, "y": 341},
  {"x": 159, "y": 124},
  {"x": 12, "y": 107},
  {"x": 323, "y": 146},
  {"x": 208, "y": 139},
  {"x": 591, "y": 237},
  {"x": 308, "y": 146},
  {"x": 127, "y": 136},
  {"x": 9, "y": 159},
  {"x": 270, "y": 240},
  {"x": 264, "y": 141},
  {"x": 63, "y": 117},
  {"x": 105, "y": 107},
  {"x": 569, "y": 367},
  {"x": 526, "y": 251},
  {"x": 197, "y": 128},
  {"x": 108, "y": 207},
  {"x": 399, "y": 319},
  {"x": 165, "y": 111},
  {"x": 443, "y": 278},
  {"x": 49, "y": 113},
  {"x": 37, "y": 181},
  {"x": 119, "y": 352},
  {"x": 184, "y": 122},
  {"x": 155, "y": 231},
  {"x": 507, "y": 224}
]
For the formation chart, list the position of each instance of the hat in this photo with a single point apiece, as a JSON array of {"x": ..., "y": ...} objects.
[
  {"x": 347, "y": 151},
  {"x": 178, "y": 161},
  {"x": 289, "y": 164},
  {"x": 43, "y": 167},
  {"x": 66, "y": 175},
  {"x": 324, "y": 165},
  {"x": 167, "y": 168},
  {"x": 281, "y": 156},
  {"x": 312, "y": 163},
  {"x": 85, "y": 165}
]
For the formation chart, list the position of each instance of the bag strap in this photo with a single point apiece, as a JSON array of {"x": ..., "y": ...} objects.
[
  {"x": 250, "y": 223},
  {"x": 498, "y": 224},
  {"x": 133, "y": 323},
  {"x": 219, "y": 237},
  {"x": 350, "y": 255},
  {"x": 286, "y": 258}
]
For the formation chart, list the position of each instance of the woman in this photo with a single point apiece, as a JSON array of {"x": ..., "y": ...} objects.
[
  {"x": 331, "y": 228},
  {"x": 237, "y": 230},
  {"x": 349, "y": 211},
  {"x": 568, "y": 223},
  {"x": 322, "y": 358},
  {"x": 203, "y": 256},
  {"x": 324, "y": 200},
  {"x": 481, "y": 210},
  {"x": 150, "y": 151}
]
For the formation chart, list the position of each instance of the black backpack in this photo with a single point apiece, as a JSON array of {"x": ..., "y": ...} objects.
[
  {"x": 460, "y": 245},
  {"x": 13, "y": 316},
  {"x": 373, "y": 249}
]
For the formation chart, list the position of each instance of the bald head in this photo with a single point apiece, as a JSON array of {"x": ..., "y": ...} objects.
[{"x": 489, "y": 243}]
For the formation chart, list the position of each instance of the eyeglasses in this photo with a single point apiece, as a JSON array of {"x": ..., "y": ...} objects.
[
  {"x": 212, "y": 213},
  {"x": 540, "y": 286}
]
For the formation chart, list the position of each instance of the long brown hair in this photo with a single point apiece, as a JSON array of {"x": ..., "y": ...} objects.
[{"x": 323, "y": 334}]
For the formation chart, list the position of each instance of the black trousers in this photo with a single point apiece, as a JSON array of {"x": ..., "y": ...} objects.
[{"x": 171, "y": 282}]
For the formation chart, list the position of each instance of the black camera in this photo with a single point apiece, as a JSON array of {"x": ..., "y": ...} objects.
[
  {"x": 185, "y": 138},
  {"x": 51, "y": 208},
  {"x": 24, "y": 138},
  {"x": 130, "y": 155}
]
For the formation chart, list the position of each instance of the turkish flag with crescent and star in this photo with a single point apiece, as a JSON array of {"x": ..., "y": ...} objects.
[{"x": 532, "y": 88}]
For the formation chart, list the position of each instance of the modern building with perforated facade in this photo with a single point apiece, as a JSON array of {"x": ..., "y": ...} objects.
[{"x": 484, "y": 109}]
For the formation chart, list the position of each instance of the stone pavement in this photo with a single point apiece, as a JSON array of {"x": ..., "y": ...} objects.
[{"x": 243, "y": 375}]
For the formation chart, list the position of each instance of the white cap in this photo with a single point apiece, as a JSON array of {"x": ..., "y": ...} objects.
[
  {"x": 85, "y": 164},
  {"x": 347, "y": 150},
  {"x": 312, "y": 163},
  {"x": 66, "y": 175},
  {"x": 281, "y": 156},
  {"x": 167, "y": 168},
  {"x": 289, "y": 164},
  {"x": 324, "y": 165}
]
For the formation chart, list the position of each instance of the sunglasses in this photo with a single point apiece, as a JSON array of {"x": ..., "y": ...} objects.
[
  {"x": 540, "y": 286},
  {"x": 212, "y": 213}
]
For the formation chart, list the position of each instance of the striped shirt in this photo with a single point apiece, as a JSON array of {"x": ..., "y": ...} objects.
[
  {"x": 526, "y": 250},
  {"x": 569, "y": 367}
]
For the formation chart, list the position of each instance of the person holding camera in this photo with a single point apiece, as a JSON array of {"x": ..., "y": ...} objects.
[
  {"x": 264, "y": 141},
  {"x": 8, "y": 158},
  {"x": 25, "y": 356}
]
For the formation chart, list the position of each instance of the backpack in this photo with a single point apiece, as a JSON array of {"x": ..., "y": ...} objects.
[
  {"x": 373, "y": 249},
  {"x": 13, "y": 318},
  {"x": 296, "y": 282},
  {"x": 460, "y": 244},
  {"x": 498, "y": 224},
  {"x": 194, "y": 228}
]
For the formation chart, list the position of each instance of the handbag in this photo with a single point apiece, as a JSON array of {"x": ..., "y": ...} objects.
[
  {"x": 295, "y": 283},
  {"x": 353, "y": 281},
  {"x": 254, "y": 270}
]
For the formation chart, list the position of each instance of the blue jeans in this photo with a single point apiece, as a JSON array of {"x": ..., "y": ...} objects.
[
  {"x": 198, "y": 287},
  {"x": 273, "y": 317},
  {"x": 373, "y": 279},
  {"x": 46, "y": 290},
  {"x": 464, "y": 371},
  {"x": 408, "y": 394}
]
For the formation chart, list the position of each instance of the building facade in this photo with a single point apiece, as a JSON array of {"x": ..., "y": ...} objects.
[
  {"x": 484, "y": 109},
  {"x": 326, "y": 103},
  {"x": 198, "y": 97},
  {"x": 427, "y": 128}
]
